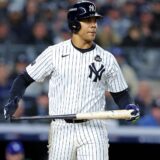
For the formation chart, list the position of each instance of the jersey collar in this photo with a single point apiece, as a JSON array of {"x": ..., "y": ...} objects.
[{"x": 84, "y": 50}]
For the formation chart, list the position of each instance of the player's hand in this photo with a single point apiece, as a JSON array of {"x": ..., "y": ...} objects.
[
  {"x": 136, "y": 112},
  {"x": 10, "y": 108}
]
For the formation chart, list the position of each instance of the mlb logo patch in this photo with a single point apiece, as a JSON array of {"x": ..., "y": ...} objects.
[{"x": 98, "y": 58}]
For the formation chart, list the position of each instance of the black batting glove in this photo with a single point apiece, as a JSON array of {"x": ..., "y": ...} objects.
[
  {"x": 136, "y": 112},
  {"x": 10, "y": 108}
]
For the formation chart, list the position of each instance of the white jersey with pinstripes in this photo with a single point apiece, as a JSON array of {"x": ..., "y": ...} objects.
[{"x": 77, "y": 80}]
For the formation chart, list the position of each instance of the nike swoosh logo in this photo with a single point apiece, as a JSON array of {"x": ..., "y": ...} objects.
[{"x": 65, "y": 55}]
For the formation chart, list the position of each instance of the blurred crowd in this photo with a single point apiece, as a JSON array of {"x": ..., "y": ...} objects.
[
  {"x": 40, "y": 22},
  {"x": 126, "y": 23},
  {"x": 17, "y": 150},
  {"x": 141, "y": 91}
]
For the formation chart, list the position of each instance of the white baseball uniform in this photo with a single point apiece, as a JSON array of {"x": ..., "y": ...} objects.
[{"x": 78, "y": 80}]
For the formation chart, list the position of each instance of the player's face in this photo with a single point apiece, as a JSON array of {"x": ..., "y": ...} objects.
[{"x": 88, "y": 29}]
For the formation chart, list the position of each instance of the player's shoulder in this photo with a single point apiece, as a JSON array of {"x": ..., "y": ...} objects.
[
  {"x": 104, "y": 52},
  {"x": 61, "y": 44}
]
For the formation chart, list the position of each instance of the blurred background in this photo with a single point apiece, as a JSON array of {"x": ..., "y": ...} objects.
[{"x": 130, "y": 30}]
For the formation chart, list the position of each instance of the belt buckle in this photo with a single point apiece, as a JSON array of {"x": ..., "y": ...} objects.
[
  {"x": 74, "y": 121},
  {"x": 79, "y": 121}
]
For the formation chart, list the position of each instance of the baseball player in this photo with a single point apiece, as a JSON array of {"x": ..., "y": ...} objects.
[{"x": 80, "y": 72}]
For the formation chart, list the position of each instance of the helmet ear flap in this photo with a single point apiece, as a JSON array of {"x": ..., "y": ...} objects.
[{"x": 74, "y": 26}]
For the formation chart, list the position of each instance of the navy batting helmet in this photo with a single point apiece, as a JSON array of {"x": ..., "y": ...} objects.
[{"x": 79, "y": 11}]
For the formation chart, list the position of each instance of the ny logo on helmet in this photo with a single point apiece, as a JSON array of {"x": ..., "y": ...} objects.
[
  {"x": 97, "y": 73},
  {"x": 91, "y": 8}
]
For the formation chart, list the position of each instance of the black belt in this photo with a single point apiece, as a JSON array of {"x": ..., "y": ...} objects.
[{"x": 75, "y": 121}]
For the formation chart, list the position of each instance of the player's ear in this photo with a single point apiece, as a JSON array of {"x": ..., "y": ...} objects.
[{"x": 74, "y": 26}]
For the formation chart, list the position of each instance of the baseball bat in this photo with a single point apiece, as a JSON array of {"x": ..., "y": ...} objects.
[{"x": 111, "y": 114}]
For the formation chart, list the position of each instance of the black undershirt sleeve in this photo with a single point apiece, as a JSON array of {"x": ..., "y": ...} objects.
[
  {"x": 20, "y": 84},
  {"x": 122, "y": 99}
]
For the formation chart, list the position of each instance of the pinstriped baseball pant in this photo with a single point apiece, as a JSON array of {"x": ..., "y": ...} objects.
[{"x": 78, "y": 141}]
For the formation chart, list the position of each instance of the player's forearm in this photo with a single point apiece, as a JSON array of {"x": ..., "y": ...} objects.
[
  {"x": 122, "y": 98},
  {"x": 20, "y": 84}
]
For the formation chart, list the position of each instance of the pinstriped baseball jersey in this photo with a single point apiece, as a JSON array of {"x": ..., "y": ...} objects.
[{"x": 77, "y": 80}]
